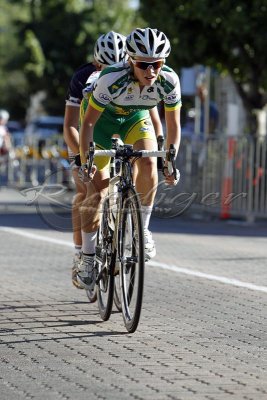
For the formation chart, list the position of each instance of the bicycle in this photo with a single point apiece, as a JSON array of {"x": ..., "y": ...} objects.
[{"x": 120, "y": 258}]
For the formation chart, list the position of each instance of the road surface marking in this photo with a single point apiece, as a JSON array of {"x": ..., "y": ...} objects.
[
  {"x": 228, "y": 281},
  {"x": 35, "y": 236},
  {"x": 174, "y": 268}
]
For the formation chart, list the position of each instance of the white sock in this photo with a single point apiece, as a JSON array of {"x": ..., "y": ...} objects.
[
  {"x": 77, "y": 249},
  {"x": 89, "y": 240},
  {"x": 146, "y": 213}
]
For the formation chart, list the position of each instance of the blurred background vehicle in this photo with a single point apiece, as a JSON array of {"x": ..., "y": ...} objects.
[
  {"x": 17, "y": 133},
  {"x": 42, "y": 133}
]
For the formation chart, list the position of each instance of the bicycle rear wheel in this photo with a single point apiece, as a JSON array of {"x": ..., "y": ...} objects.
[
  {"x": 105, "y": 265},
  {"x": 117, "y": 293},
  {"x": 132, "y": 260},
  {"x": 92, "y": 295}
]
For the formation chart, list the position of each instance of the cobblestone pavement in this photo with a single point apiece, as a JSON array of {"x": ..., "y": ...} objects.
[{"x": 197, "y": 338}]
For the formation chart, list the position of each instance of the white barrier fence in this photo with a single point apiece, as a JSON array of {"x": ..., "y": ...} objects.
[{"x": 28, "y": 172}]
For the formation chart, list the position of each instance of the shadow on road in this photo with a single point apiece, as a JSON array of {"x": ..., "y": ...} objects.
[{"x": 27, "y": 327}]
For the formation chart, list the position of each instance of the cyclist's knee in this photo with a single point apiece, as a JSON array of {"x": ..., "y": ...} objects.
[
  {"x": 90, "y": 201},
  {"x": 90, "y": 212},
  {"x": 90, "y": 207},
  {"x": 148, "y": 165},
  {"x": 78, "y": 198}
]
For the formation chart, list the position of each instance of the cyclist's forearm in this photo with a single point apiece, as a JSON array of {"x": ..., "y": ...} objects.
[
  {"x": 71, "y": 137},
  {"x": 174, "y": 137},
  {"x": 173, "y": 129},
  {"x": 87, "y": 130},
  {"x": 71, "y": 134},
  {"x": 86, "y": 136}
]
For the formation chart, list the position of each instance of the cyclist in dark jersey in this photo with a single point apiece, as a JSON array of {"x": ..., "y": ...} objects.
[
  {"x": 109, "y": 49},
  {"x": 71, "y": 136}
]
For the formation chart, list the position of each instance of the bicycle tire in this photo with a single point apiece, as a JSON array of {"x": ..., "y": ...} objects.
[
  {"x": 105, "y": 286},
  {"x": 117, "y": 293},
  {"x": 92, "y": 295},
  {"x": 131, "y": 245}
]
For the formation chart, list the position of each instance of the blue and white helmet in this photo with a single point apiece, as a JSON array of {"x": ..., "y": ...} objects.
[
  {"x": 148, "y": 42},
  {"x": 110, "y": 48}
]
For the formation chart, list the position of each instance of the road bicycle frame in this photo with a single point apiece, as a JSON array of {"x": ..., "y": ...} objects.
[{"x": 120, "y": 242}]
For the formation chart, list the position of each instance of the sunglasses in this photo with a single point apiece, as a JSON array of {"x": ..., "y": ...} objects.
[{"x": 145, "y": 64}]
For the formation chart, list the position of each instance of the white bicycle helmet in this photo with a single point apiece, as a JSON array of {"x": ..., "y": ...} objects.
[
  {"x": 110, "y": 48},
  {"x": 148, "y": 43}
]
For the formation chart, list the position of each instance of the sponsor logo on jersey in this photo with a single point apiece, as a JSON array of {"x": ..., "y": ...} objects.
[
  {"x": 173, "y": 98},
  {"x": 129, "y": 97},
  {"x": 146, "y": 97},
  {"x": 121, "y": 111},
  {"x": 104, "y": 97},
  {"x": 150, "y": 90},
  {"x": 144, "y": 129}
]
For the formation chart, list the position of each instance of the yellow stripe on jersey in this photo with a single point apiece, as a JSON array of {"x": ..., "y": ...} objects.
[
  {"x": 93, "y": 103},
  {"x": 168, "y": 107}
]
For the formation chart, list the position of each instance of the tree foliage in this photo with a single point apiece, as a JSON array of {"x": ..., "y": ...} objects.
[
  {"x": 13, "y": 84},
  {"x": 50, "y": 39},
  {"x": 229, "y": 35}
]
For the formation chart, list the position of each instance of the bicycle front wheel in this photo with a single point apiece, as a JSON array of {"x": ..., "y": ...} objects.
[{"x": 132, "y": 260}]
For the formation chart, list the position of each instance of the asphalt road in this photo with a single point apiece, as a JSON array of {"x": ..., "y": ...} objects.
[{"x": 202, "y": 333}]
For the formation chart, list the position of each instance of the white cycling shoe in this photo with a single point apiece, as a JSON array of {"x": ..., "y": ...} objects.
[
  {"x": 86, "y": 275},
  {"x": 150, "y": 248}
]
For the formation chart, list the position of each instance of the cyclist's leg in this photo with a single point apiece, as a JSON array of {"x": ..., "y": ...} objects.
[
  {"x": 146, "y": 175},
  {"x": 90, "y": 210},
  {"x": 140, "y": 133},
  {"x": 79, "y": 196},
  {"x": 97, "y": 188},
  {"x": 142, "y": 136},
  {"x": 80, "y": 193}
]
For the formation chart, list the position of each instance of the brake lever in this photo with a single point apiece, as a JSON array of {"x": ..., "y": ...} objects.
[
  {"x": 171, "y": 161},
  {"x": 160, "y": 160},
  {"x": 91, "y": 155}
]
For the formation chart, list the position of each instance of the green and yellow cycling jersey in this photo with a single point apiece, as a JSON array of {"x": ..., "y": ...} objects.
[
  {"x": 125, "y": 108},
  {"x": 118, "y": 92}
]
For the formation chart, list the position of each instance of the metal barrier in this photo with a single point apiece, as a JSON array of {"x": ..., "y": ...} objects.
[
  {"x": 40, "y": 160},
  {"x": 226, "y": 177},
  {"x": 24, "y": 172}
]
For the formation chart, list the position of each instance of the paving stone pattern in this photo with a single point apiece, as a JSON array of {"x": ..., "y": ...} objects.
[{"x": 197, "y": 339}]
